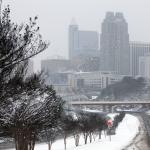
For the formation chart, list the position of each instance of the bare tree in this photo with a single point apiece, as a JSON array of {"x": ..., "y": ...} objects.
[
  {"x": 90, "y": 123},
  {"x": 68, "y": 125},
  {"x": 49, "y": 135}
]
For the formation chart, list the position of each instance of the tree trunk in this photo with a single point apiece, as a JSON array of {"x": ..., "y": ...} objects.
[
  {"x": 85, "y": 138},
  {"x": 90, "y": 136},
  {"x": 24, "y": 140},
  {"x": 32, "y": 144},
  {"x": 16, "y": 144},
  {"x": 76, "y": 138},
  {"x": 49, "y": 146},
  {"x": 100, "y": 133},
  {"x": 20, "y": 145},
  {"x": 65, "y": 142}
]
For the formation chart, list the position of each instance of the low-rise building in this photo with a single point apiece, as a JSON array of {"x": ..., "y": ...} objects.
[
  {"x": 55, "y": 65},
  {"x": 137, "y": 50},
  {"x": 144, "y": 66},
  {"x": 93, "y": 80}
]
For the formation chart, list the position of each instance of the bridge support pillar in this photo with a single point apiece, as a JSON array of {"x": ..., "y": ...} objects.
[
  {"x": 110, "y": 109},
  {"x": 145, "y": 106},
  {"x": 107, "y": 108},
  {"x": 104, "y": 108}
]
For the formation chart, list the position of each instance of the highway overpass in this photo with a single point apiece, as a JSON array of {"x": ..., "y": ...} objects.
[
  {"x": 110, "y": 103},
  {"x": 110, "y": 106}
]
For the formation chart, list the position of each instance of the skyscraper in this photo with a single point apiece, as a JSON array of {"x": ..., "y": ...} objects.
[
  {"x": 85, "y": 43},
  {"x": 114, "y": 44}
]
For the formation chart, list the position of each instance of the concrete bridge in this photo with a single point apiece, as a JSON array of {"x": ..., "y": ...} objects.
[
  {"x": 110, "y": 102},
  {"x": 111, "y": 105}
]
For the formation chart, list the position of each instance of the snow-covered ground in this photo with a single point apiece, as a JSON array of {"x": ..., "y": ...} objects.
[{"x": 124, "y": 135}]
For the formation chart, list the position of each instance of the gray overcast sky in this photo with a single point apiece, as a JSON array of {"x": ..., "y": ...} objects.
[{"x": 55, "y": 16}]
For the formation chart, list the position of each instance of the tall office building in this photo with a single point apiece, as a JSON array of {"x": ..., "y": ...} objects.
[
  {"x": 137, "y": 49},
  {"x": 114, "y": 44},
  {"x": 82, "y": 43}
]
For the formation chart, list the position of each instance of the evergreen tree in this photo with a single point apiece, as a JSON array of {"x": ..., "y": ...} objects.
[{"x": 27, "y": 105}]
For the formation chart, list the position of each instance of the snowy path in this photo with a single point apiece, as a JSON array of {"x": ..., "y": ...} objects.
[
  {"x": 125, "y": 133},
  {"x": 140, "y": 141}
]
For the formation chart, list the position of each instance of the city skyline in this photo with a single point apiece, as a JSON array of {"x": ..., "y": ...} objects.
[
  {"x": 74, "y": 74},
  {"x": 54, "y": 28}
]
